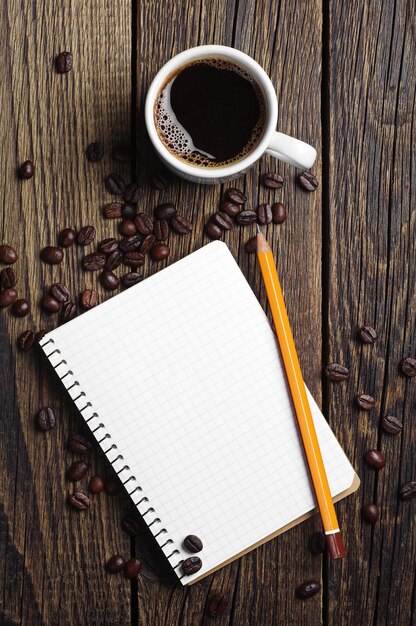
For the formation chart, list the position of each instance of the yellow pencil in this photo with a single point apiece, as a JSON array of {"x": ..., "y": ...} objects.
[{"x": 300, "y": 400}]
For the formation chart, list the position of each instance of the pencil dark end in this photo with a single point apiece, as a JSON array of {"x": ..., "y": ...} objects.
[{"x": 336, "y": 546}]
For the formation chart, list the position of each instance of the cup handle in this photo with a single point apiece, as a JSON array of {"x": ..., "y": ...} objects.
[{"x": 291, "y": 150}]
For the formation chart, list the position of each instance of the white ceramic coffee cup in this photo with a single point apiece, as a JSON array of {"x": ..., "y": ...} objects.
[{"x": 278, "y": 145}]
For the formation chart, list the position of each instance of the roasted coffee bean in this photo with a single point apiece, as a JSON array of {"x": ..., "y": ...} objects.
[
  {"x": 272, "y": 180},
  {"x": 7, "y": 278},
  {"x": 317, "y": 543},
  {"x": 52, "y": 255},
  {"x": 26, "y": 170},
  {"x": 67, "y": 237},
  {"x": 45, "y": 419},
  {"x": 115, "y": 184},
  {"x": 308, "y": 589},
  {"x": 94, "y": 152},
  {"x": 131, "y": 278},
  {"x": 132, "y": 568},
  {"x": 26, "y": 340},
  {"x": 251, "y": 245},
  {"x": 113, "y": 210},
  {"x": 79, "y": 500},
  {"x": 213, "y": 231},
  {"x": 21, "y": 308},
  {"x": 76, "y": 471},
  {"x": 127, "y": 228},
  {"x": 109, "y": 280},
  {"x": 375, "y": 459},
  {"x": 59, "y": 292},
  {"x": 79, "y": 444},
  {"x": 39, "y": 335},
  {"x": 50, "y": 304},
  {"x": 365, "y": 402},
  {"x": 392, "y": 425},
  {"x": 114, "y": 260},
  {"x": 161, "y": 229},
  {"x": 408, "y": 367},
  {"x": 235, "y": 195},
  {"x": 112, "y": 486},
  {"x": 181, "y": 225},
  {"x": 129, "y": 212},
  {"x": 192, "y": 543},
  {"x": 64, "y": 62},
  {"x": 159, "y": 252},
  {"x": 131, "y": 525},
  {"x": 278, "y": 212},
  {"x": 130, "y": 243},
  {"x": 144, "y": 224},
  {"x": 335, "y": 372},
  {"x": 191, "y": 565},
  {"x": 88, "y": 299},
  {"x": 245, "y": 218},
  {"x": 86, "y": 235},
  {"x": 165, "y": 211},
  {"x": 123, "y": 153},
  {"x": 367, "y": 334},
  {"x": 96, "y": 484},
  {"x": 146, "y": 244},
  {"x": 133, "y": 258},
  {"x": 94, "y": 261},
  {"x": 264, "y": 214},
  {"x": 115, "y": 564},
  {"x": 230, "y": 208},
  {"x": 408, "y": 490},
  {"x": 161, "y": 181},
  {"x": 222, "y": 220},
  {"x": 218, "y": 605},
  {"x": 108, "y": 245},
  {"x": 7, "y": 297},
  {"x": 370, "y": 513},
  {"x": 8, "y": 255},
  {"x": 132, "y": 193},
  {"x": 68, "y": 311},
  {"x": 308, "y": 181}
]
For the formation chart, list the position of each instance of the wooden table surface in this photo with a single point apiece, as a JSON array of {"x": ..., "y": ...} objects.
[{"x": 345, "y": 76}]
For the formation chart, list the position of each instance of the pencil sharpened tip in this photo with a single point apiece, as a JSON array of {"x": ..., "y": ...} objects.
[{"x": 258, "y": 228}]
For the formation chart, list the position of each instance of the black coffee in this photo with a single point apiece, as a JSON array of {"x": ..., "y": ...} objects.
[{"x": 210, "y": 113}]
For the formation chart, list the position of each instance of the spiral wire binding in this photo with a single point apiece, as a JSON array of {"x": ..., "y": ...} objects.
[{"x": 98, "y": 429}]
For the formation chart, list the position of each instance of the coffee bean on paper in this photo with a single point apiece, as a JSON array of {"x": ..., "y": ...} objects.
[
  {"x": 245, "y": 218},
  {"x": 161, "y": 229},
  {"x": 67, "y": 237},
  {"x": 8, "y": 278},
  {"x": 96, "y": 484},
  {"x": 132, "y": 568},
  {"x": 317, "y": 543},
  {"x": 131, "y": 278},
  {"x": 123, "y": 153},
  {"x": 94, "y": 261},
  {"x": 165, "y": 211},
  {"x": 50, "y": 304},
  {"x": 146, "y": 244},
  {"x": 191, "y": 565},
  {"x": 115, "y": 564},
  {"x": 59, "y": 292},
  {"x": 222, "y": 220},
  {"x": 79, "y": 500},
  {"x": 109, "y": 280},
  {"x": 79, "y": 444},
  {"x": 408, "y": 490},
  {"x": 94, "y": 152},
  {"x": 129, "y": 211},
  {"x": 365, "y": 402},
  {"x": 133, "y": 258},
  {"x": 264, "y": 214},
  {"x": 181, "y": 225},
  {"x": 77, "y": 471},
  {"x": 408, "y": 367},
  {"x": 88, "y": 299},
  {"x": 64, "y": 62},
  {"x": 308, "y": 181},
  {"x": 367, "y": 334},
  {"x": 131, "y": 525},
  {"x": 217, "y": 605},
  {"x": 7, "y": 297},
  {"x": 392, "y": 424},
  {"x": 8, "y": 254},
  {"x": 192, "y": 543},
  {"x": 115, "y": 184},
  {"x": 159, "y": 252},
  {"x": 127, "y": 228},
  {"x": 336, "y": 373},
  {"x": 21, "y": 308},
  {"x": 272, "y": 180},
  {"x": 251, "y": 245},
  {"x": 68, "y": 311},
  {"x": 132, "y": 193},
  {"x": 144, "y": 224},
  {"x": 278, "y": 212},
  {"x": 130, "y": 243},
  {"x": 113, "y": 210},
  {"x": 26, "y": 340},
  {"x": 86, "y": 235},
  {"x": 370, "y": 513},
  {"x": 308, "y": 589},
  {"x": 52, "y": 255},
  {"x": 230, "y": 208},
  {"x": 26, "y": 170},
  {"x": 114, "y": 260},
  {"x": 375, "y": 459},
  {"x": 45, "y": 419},
  {"x": 235, "y": 195},
  {"x": 213, "y": 231}
]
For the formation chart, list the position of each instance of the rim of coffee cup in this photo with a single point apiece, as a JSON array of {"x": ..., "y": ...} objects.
[{"x": 230, "y": 54}]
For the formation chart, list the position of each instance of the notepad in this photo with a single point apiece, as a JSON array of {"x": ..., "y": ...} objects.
[{"x": 180, "y": 380}]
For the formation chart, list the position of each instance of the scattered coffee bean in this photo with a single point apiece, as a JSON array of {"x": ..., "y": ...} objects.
[
  {"x": 131, "y": 278},
  {"x": 114, "y": 260},
  {"x": 67, "y": 237},
  {"x": 235, "y": 195},
  {"x": 408, "y": 367},
  {"x": 308, "y": 589},
  {"x": 96, "y": 484},
  {"x": 45, "y": 419},
  {"x": 278, "y": 212},
  {"x": 159, "y": 252},
  {"x": 94, "y": 152},
  {"x": 8, "y": 255},
  {"x": 52, "y": 255},
  {"x": 79, "y": 500},
  {"x": 112, "y": 486},
  {"x": 115, "y": 184},
  {"x": 213, "y": 231},
  {"x": 39, "y": 335},
  {"x": 94, "y": 261},
  {"x": 79, "y": 444},
  {"x": 392, "y": 425},
  {"x": 181, "y": 225},
  {"x": 131, "y": 525},
  {"x": 130, "y": 243},
  {"x": 68, "y": 312},
  {"x": 370, "y": 513},
  {"x": 132, "y": 193},
  {"x": 26, "y": 340},
  {"x": 408, "y": 490},
  {"x": 133, "y": 258},
  {"x": 146, "y": 244},
  {"x": 218, "y": 605},
  {"x": 59, "y": 292},
  {"x": 127, "y": 228},
  {"x": 26, "y": 170},
  {"x": 77, "y": 471},
  {"x": 160, "y": 181},
  {"x": 7, "y": 297},
  {"x": 7, "y": 278},
  {"x": 144, "y": 224},
  {"x": 317, "y": 543},
  {"x": 367, "y": 334},
  {"x": 108, "y": 246},
  {"x": 308, "y": 181},
  {"x": 365, "y": 402},
  {"x": 247, "y": 217},
  {"x": 21, "y": 308},
  {"x": 191, "y": 565},
  {"x": 129, "y": 212},
  {"x": 165, "y": 211},
  {"x": 251, "y": 245},
  {"x": 64, "y": 62},
  {"x": 230, "y": 208},
  {"x": 109, "y": 280},
  {"x": 264, "y": 214},
  {"x": 50, "y": 304},
  {"x": 86, "y": 235},
  {"x": 115, "y": 564},
  {"x": 375, "y": 459},
  {"x": 123, "y": 153},
  {"x": 113, "y": 210},
  {"x": 161, "y": 229},
  {"x": 222, "y": 220},
  {"x": 192, "y": 543},
  {"x": 132, "y": 568},
  {"x": 336, "y": 373},
  {"x": 271, "y": 180}
]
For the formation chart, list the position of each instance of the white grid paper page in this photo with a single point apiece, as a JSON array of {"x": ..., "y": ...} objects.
[{"x": 184, "y": 372}]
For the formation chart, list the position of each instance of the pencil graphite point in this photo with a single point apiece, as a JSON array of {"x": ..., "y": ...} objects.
[
  {"x": 258, "y": 228},
  {"x": 262, "y": 245}
]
